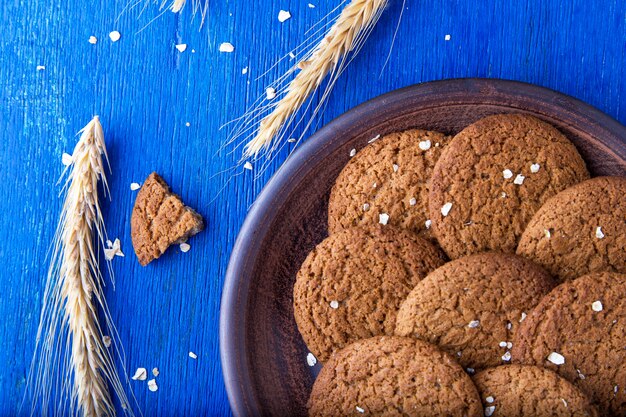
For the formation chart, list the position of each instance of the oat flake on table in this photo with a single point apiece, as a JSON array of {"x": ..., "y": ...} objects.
[
  {"x": 152, "y": 385},
  {"x": 115, "y": 36},
  {"x": 283, "y": 15},
  {"x": 227, "y": 47},
  {"x": 140, "y": 375}
]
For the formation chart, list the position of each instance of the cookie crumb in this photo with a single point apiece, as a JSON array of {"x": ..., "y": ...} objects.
[
  {"x": 556, "y": 358},
  {"x": 383, "y": 218},
  {"x": 473, "y": 324},
  {"x": 140, "y": 375},
  {"x": 311, "y": 360},
  {"x": 519, "y": 180},
  {"x": 152, "y": 385},
  {"x": 596, "y": 306},
  {"x": 489, "y": 410},
  {"x": 534, "y": 168},
  {"x": 193, "y": 355},
  {"x": 445, "y": 209},
  {"x": 424, "y": 145},
  {"x": 599, "y": 233},
  {"x": 334, "y": 304},
  {"x": 507, "y": 173}
]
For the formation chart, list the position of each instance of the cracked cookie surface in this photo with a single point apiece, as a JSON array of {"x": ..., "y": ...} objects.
[
  {"x": 523, "y": 391},
  {"x": 579, "y": 331},
  {"x": 393, "y": 376},
  {"x": 493, "y": 176},
  {"x": 471, "y": 307},
  {"x": 160, "y": 219},
  {"x": 389, "y": 176},
  {"x": 580, "y": 230},
  {"x": 351, "y": 285}
]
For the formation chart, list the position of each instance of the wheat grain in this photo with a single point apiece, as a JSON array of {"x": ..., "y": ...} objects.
[
  {"x": 177, "y": 5},
  {"x": 329, "y": 56},
  {"x": 71, "y": 360}
]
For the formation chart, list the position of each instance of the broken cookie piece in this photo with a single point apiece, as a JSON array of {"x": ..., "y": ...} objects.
[{"x": 160, "y": 219}]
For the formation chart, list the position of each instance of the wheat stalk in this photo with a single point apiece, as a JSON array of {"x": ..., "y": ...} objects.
[
  {"x": 70, "y": 358},
  {"x": 347, "y": 34}
]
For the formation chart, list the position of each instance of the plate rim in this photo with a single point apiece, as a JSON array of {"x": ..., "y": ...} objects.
[{"x": 232, "y": 321}]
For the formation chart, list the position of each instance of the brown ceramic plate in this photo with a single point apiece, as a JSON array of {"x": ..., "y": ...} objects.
[{"x": 263, "y": 356}]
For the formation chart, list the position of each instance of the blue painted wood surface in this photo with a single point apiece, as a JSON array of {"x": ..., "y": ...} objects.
[{"x": 145, "y": 92}]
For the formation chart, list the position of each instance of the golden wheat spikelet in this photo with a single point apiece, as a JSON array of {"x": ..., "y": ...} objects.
[
  {"x": 71, "y": 360},
  {"x": 346, "y": 35},
  {"x": 177, "y": 5}
]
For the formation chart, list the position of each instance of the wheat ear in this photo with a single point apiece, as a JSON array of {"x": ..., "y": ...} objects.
[
  {"x": 346, "y": 35},
  {"x": 71, "y": 360}
]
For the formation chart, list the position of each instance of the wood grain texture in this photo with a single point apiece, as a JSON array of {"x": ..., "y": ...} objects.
[{"x": 145, "y": 91}]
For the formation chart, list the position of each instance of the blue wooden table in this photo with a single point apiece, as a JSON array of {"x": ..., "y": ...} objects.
[{"x": 162, "y": 111}]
